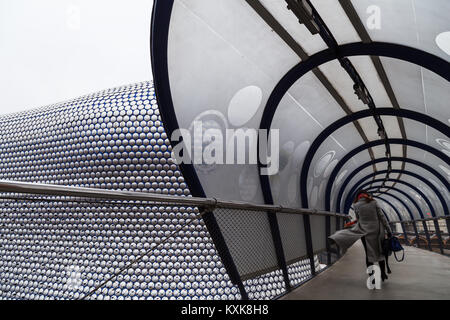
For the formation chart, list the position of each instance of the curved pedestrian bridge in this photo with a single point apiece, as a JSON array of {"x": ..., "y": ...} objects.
[
  {"x": 422, "y": 275},
  {"x": 226, "y": 178}
]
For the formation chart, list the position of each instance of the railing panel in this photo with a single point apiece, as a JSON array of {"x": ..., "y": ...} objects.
[
  {"x": 248, "y": 237},
  {"x": 318, "y": 233},
  {"x": 149, "y": 246},
  {"x": 292, "y": 235}
]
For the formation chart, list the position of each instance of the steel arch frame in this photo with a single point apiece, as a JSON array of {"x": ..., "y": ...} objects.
[
  {"x": 403, "y": 113},
  {"x": 408, "y": 209},
  {"x": 425, "y": 227},
  {"x": 369, "y": 163},
  {"x": 402, "y": 221},
  {"x": 424, "y": 224},
  {"x": 363, "y": 147},
  {"x": 409, "y": 173},
  {"x": 159, "y": 38},
  {"x": 430, "y": 206},
  {"x": 415, "y": 204},
  {"x": 404, "y": 53},
  {"x": 400, "y": 217}
]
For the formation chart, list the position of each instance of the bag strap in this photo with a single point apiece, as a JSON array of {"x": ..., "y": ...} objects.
[{"x": 403, "y": 256}]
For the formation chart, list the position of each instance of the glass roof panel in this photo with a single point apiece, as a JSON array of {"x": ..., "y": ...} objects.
[
  {"x": 426, "y": 190},
  {"x": 391, "y": 126},
  {"x": 308, "y": 93},
  {"x": 435, "y": 181},
  {"x": 438, "y": 141},
  {"x": 413, "y": 23},
  {"x": 218, "y": 90},
  {"x": 417, "y": 88}
]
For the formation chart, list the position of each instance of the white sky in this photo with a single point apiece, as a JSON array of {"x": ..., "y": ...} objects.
[{"x": 55, "y": 50}]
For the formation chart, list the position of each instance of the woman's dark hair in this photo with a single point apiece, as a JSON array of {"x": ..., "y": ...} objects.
[{"x": 366, "y": 195}]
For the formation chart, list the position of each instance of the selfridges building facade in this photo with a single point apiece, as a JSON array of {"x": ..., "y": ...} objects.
[{"x": 54, "y": 248}]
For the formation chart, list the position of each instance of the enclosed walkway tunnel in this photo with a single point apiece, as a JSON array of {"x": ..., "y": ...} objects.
[
  {"x": 355, "y": 94},
  {"x": 224, "y": 178}
]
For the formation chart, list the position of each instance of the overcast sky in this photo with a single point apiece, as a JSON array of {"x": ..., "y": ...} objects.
[{"x": 55, "y": 50}]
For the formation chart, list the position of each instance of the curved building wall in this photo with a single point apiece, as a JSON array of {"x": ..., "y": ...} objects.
[{"x": 54, "y": 249}]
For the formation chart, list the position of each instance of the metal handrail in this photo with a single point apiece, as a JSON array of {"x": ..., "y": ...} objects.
[
  {"x": 205, "y": 205},
  {"x": 209, "y": 203},
  {"x": 422, "y": 220}
]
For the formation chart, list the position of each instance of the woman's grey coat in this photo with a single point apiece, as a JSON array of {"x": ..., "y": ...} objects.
[{"x": 371, "y": 224}]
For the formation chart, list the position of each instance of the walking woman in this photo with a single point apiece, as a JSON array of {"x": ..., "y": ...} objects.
[{"x": 370, "y": 228}]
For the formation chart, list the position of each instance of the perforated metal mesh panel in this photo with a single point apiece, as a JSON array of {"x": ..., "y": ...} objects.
[
  {"x": 249, "y": 239},
  {"x": 292, "y": 234},
  {"x": 332, "y": 225},
  {"x": 318, "y": 233}
]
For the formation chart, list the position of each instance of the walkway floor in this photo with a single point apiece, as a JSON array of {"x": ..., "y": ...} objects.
[{"x": 422, "y": 275}]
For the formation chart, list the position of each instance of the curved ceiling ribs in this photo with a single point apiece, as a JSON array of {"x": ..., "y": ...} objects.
[
  {"x": 403, "y": 113},
  {"x": 399, "y": 215},
  {"x": 358, "y": 149},
  {"x": 408, "y": 173},
  {"x": 359, "y": 87},
  {"x": 386, "y": 215},
  {"x": 265, "y": 14},
  {"x": 309, "y": 16},
  {"x": 416, "y": 162},
  {"x": 430, "y": 206},
  {"x": 404, "y": 204},
  {"x": 412, "y": 55},
  {"x": 316, "y": 22},
  {"x": 408, "y": 210},
  {"x": 355, "y": 20}
]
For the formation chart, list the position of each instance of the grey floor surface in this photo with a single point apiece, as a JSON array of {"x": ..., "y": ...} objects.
[{"x": 422, "y": 275}]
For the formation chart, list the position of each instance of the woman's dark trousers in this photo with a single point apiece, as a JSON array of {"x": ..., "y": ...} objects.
[{"x": 381, "y": 263}]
